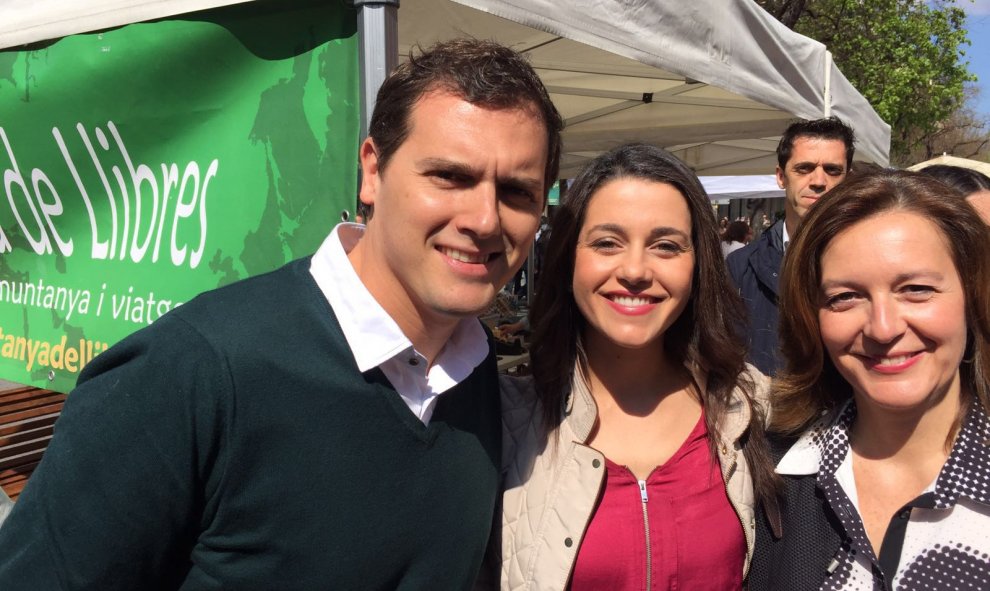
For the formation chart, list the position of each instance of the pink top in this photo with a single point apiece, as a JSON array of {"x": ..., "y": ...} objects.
[{"x": 688, "y": 536}]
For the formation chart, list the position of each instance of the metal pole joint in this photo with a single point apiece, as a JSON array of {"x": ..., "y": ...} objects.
[{"x": 360, "y": 3}]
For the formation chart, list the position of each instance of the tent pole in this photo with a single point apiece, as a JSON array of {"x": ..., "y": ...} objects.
[
  {"x": 530, "y": 272},
  {"x": 378, "y": 54},
  {"x": 378, "y": 50},
  {"x": 828, "y": 84}
]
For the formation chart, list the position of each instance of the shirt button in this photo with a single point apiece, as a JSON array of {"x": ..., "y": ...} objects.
[
  {"x": 596, "y": 463},
  {"x": 568, "y": 542},
  {"x": 413, "y": 361}
]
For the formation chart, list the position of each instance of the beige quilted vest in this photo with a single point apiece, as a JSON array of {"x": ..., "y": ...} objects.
[{"x": 550, "y": 491}]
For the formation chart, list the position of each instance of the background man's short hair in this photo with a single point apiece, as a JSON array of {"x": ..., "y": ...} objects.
[{"x": 828, "y": 128}]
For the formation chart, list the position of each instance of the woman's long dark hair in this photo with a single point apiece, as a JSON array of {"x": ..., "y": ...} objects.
[{"x": 705, "y": 335}]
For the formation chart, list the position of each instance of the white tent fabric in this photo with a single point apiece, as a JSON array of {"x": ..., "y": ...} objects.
[
  {"x": 755, "y": 186},
  {"x": 27, "y": 21},
  {"x": 714, "y": 81}
]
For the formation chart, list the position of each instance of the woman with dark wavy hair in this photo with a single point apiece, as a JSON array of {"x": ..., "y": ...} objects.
[
  {"x": 883, "y": 401},
  {"x": 636, "y": 450}
]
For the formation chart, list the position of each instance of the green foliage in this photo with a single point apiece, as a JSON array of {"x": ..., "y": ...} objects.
[{"x": 905, "y": 56}]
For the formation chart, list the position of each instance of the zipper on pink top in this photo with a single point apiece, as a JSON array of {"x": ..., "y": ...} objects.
[{"x": 646, "y": 529}]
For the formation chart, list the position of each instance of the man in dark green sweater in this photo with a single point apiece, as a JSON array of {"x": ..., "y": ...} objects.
[{"x": 333, "y": 424}]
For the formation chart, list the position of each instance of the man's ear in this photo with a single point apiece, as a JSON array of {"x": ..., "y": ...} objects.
[
  {"x": 370, "y": 172},
  {"x": 780, "y": 178}
]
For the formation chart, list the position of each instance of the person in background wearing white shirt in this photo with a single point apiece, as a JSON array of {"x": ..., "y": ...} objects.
[{"x": 736, "y": 236}]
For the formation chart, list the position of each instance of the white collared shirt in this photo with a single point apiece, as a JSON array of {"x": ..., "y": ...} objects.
[{"x": 375, "y": 339}]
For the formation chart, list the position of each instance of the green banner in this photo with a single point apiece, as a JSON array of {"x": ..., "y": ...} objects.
[{"x": 146, "y": 164}]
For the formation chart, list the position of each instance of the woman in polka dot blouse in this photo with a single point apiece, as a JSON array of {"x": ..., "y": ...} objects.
[{"x": 882, "y": 406}]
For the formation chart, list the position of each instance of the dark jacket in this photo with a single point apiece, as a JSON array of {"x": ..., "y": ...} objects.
[
  {"x": 811, "y": 536},
  {"x": 755, "y": 269},
  {"x": 819, "y": 534}
]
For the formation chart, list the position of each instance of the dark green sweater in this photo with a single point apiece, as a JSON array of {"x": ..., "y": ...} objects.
[{"x": 233, "y": 444}]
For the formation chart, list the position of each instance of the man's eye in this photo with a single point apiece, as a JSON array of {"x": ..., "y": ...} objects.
[
  {"x": 444, "y": 175},
  {"x": 518, "y": 193}
]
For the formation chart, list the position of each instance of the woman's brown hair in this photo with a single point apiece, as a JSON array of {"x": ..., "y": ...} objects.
[
  {"x": 704, "y": 336},
  {"x": 809, "y": 384}
]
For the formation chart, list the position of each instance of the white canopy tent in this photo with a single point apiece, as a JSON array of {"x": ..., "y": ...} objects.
[
  {"x": 745, "y": 197},
  {"x": 752, "y": 186},
  {"x": 714, "y": 81}
]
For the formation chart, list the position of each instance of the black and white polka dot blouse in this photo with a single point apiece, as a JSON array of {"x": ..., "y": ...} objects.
[{"x": 939, "y": 541}]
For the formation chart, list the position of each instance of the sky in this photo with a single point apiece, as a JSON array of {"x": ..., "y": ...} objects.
[{"x": 978, "y": 54}]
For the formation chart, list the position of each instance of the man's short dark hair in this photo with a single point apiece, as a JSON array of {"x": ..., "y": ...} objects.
[
  {"x": 483, "y": 73},
  {"x": 828, "y": 128}
]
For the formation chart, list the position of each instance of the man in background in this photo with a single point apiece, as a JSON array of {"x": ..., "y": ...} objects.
[{"x": 812, "y": 158}]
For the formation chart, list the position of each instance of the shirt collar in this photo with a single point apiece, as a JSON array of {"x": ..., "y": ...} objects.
[
  {"x": 965, "y": 473},
  {"x": 371, "y": 334},
  {"x": 828, "y": 436}
]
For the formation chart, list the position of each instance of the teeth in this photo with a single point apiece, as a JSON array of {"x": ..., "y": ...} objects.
[
  {"x": 630, "y": 302},
  {"x": 894, "y": 360},
  {"x": 463, "y": 256}
]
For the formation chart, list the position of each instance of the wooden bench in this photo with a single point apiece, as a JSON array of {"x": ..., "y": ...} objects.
[{"x": 27, "y": 417}]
